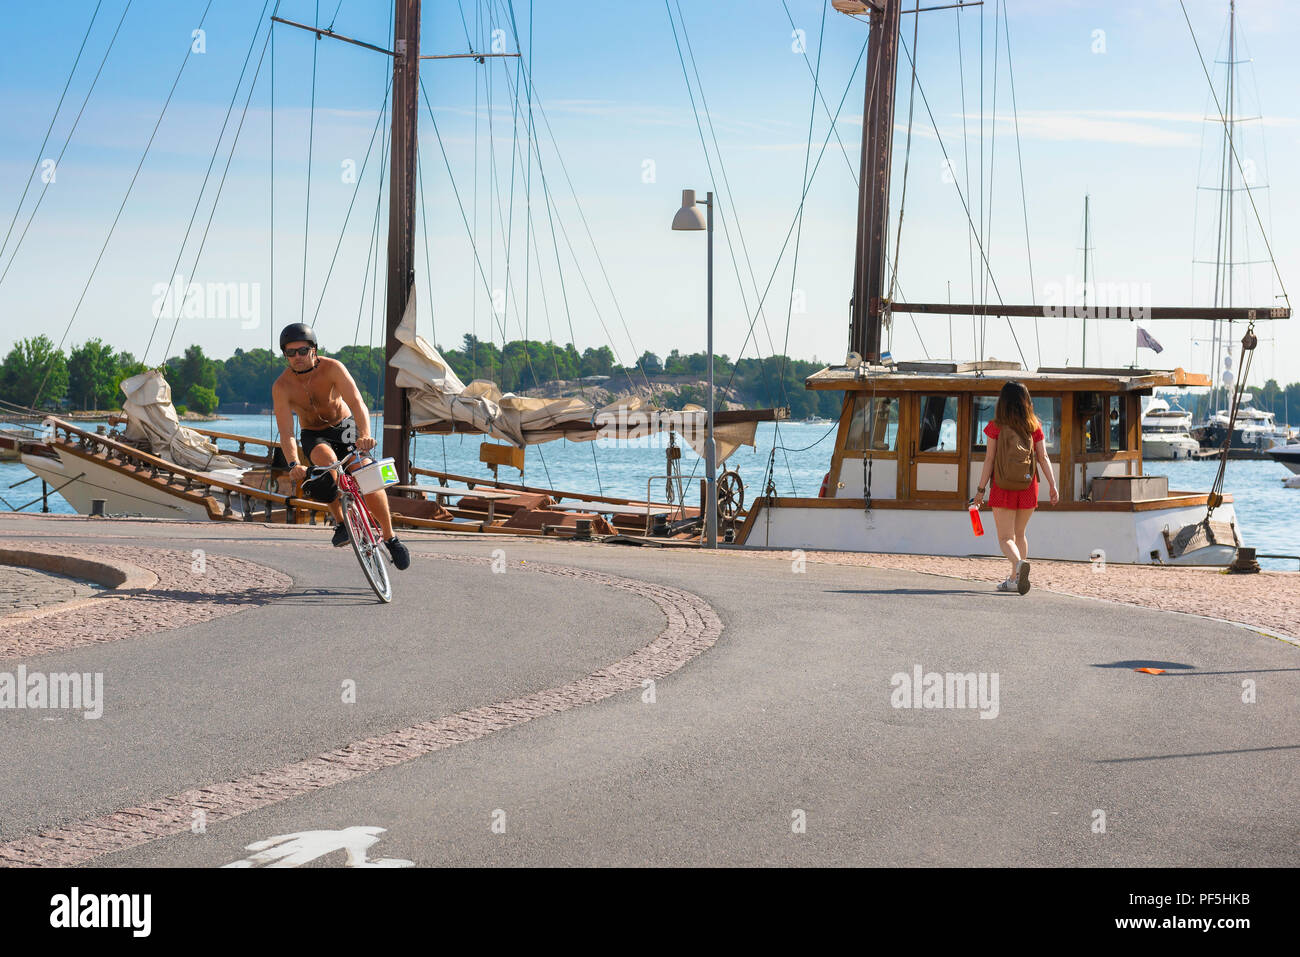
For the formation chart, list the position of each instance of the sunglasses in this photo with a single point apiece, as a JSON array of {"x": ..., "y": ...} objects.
[{"x": 301, "y": 351}]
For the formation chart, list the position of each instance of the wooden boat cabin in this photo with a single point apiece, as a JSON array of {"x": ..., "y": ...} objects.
[{"x": 912, "y": 435}]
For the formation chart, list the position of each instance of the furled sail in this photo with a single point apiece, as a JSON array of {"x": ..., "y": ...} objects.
[
  {"x": 152, "y": 417},
  {"x": 439, "y": 400}
]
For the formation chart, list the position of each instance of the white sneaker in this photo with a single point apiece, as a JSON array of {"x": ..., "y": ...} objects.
[
  {"x": 1022, "y": 576},
  {"x": 1007, "y": 585}
]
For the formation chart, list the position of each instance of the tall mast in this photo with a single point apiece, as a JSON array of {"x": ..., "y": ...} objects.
[
  {"x": 873, "y": 179},
  {"x": 401, "y": 222}
]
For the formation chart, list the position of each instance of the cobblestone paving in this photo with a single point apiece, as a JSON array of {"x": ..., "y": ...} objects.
[
  {"x": 28, "y": 589},
  {"x": 192, "y": 587}
]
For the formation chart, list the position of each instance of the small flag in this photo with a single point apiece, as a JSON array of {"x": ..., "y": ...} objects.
[{"x": 1147, "y": 341}]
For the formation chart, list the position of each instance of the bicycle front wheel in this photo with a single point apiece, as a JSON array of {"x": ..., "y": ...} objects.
[{"x": 367, "y": 544}]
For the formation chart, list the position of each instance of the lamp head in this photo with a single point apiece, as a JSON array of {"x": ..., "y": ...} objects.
[{"x": 690, "y": 216}]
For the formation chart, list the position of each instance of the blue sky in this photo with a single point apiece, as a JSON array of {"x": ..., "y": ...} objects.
[{"x": 1109, "y": 100}]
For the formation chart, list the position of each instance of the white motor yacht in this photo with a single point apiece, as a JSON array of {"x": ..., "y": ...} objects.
[
  {"x": 1254, "y": 433},
  {"x": 1166, "y": 432}
]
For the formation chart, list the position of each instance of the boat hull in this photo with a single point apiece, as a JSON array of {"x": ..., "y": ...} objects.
[
  {"x": 1119, "y": 536},
  {"x": 122, "y": 495},
  {"x": 1168, "y": 448},
  {"x": 1245, "y": 444},
  {"x": 1288, "y": 456}
]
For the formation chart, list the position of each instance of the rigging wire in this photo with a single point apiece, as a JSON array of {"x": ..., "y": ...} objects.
[
  {"x": 216, "y": 201},
  {"x": 272, "y": 426},
  {"x": 1236, "y": 158},
  {"x": 983, "y": 286},
  {"x": 582, "y": 216},
  {"x": 853, "y": 174},
  {"x": 311, "y": 135},
  {"x": 424, "y": 232},
  {"x": 372, "y": 247},
  {"x": 834, "y": 425},
  {"x": 987, "y": 225},
  {"x": 131, "y": 186},
  {"x": 385, "y": 150},
  {"x": 465, "y": 220},
  {"x": 351, "y": 203},
  {"x": 563, "y": 230},
  {"x": 36, "y": 164},
  {"x": 335, "y": 17},
  {"x": 726, "y": 187},
  {"x": 807, "y": 156},
  {"x": 902, "y": 201},
  {"x": 172, "y": 275},
  {"x": 722, "y": 168},
  {"x": 68, "y": 139},
  {"x": 790, "y": 230},
  {"x": 920, "y": 88},
  {"x": 1024, "y": 202},
  {"x": 508, "y": 225},
  {"x": 374, "y": 285},
  {"x": 970, "y": 248}
]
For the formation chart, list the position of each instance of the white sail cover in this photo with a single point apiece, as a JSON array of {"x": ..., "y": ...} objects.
[
  {"x": 152, "y": 417},
  {"x": 439, "y": 398}
]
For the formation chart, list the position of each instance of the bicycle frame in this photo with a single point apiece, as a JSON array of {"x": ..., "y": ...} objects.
[
  {"x": 362, "y": 527},
  {"x": 348, "y": 486}
]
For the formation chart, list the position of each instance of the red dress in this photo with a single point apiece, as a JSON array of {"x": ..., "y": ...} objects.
[{"x": 1025, "y": 498}]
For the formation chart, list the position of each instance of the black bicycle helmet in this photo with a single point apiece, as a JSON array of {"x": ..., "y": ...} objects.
[{"x": 296, "y": 332}]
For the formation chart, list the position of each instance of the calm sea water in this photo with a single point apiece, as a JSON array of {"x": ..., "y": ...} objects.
[{"x": 1268, "y": 513}]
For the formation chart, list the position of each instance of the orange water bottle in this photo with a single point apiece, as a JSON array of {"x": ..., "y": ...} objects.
[{"x": 975, "y": 522}]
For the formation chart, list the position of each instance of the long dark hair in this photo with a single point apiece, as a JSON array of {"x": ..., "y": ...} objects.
[{"x": 1015, "y": 409}]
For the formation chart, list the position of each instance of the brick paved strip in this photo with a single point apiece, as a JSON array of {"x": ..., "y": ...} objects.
[
  {"x": 181, "y": 595},
  {"x": 692, "y": 627}
]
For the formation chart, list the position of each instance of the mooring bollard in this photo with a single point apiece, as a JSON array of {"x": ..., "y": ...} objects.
[
  {"x": 1244, "y": 563},
  {"x": 583, "y": 534},
  {"x": 97, "y": 507}
]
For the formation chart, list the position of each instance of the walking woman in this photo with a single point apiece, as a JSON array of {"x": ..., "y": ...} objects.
[{"x": 1016, "y": 452}]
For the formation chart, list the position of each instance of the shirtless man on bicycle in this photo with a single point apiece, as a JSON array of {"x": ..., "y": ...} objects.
[{"x": 333, "y": 416}]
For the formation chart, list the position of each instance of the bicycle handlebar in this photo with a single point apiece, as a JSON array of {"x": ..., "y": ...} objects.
[{"x": 337, "y": 464}]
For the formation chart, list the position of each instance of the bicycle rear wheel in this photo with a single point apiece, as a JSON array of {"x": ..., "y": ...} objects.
[{"x": 367, "y": 544}]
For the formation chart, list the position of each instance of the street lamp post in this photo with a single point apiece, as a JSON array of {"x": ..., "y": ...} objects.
[{"x": 689, "y": 218}]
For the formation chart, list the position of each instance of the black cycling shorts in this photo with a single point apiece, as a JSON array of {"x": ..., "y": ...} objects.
[{"x": 338, "y": 437}]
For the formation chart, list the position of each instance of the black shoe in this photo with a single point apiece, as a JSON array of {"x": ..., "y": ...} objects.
[
  {"x": 341, "y": 536},
  {"x": 401, "y": 557}
]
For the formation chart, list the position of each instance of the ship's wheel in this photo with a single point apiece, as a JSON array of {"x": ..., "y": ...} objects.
[{"x": 731, "y": 495}]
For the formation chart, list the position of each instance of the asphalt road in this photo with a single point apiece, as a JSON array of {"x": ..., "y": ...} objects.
[{"x": 780, "y": 744}]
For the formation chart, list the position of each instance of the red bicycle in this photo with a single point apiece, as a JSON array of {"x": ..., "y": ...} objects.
[{"x": 363, "y": 530}]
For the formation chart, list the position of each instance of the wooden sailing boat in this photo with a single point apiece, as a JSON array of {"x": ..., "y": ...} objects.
[{"x": 910, "y": 448}]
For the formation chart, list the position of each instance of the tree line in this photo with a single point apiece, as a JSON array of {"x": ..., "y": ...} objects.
[{"x": 89, "y": 375}]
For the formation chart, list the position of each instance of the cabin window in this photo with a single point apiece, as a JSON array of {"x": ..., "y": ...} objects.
[
  {"x": 877, "y": 417},
  {"x": 1118, "y": 424},
  {"x": 938, "y": 423},
  {"x": 1047, "y": 408},
  {"x": 1092, "y": 410}
]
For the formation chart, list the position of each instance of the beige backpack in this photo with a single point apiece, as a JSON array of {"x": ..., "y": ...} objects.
[{"x": 1013, "y": 461}]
